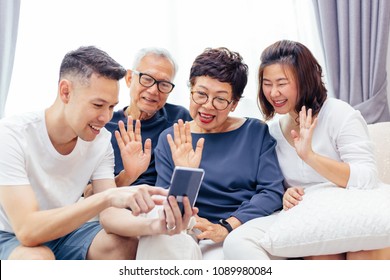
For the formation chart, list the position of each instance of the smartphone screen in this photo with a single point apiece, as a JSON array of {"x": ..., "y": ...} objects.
[{"x": 186, "y": 181}]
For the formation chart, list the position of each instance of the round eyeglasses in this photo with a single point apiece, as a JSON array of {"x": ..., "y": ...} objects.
[
  {"x": 148, "y": 81},
  {"x": 219, "y": 103}
]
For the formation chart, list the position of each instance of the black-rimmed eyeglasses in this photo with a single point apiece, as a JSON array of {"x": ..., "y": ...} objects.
[
  {"x": 219, "y": 103},
  {"x": 148, "y": 81}
]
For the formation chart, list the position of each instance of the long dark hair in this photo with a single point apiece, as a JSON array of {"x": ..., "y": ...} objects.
[{"x": 305, "y": 69}]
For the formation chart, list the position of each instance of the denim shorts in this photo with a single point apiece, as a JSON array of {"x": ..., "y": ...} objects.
[{"x": 73, "y": 246}]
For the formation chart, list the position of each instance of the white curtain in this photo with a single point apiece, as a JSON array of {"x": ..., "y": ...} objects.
[
  {"x": 9, "y": 17},
  {"x": 48, "y": 29}
]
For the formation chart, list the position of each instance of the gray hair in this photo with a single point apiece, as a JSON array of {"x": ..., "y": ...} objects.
[{"x": 154, "y": 51}]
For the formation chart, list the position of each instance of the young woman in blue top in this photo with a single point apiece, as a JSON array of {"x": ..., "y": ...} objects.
[{"x": 242, "y": 176}]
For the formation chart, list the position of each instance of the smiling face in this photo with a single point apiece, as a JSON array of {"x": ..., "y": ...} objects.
[
  {"x": 89, "y": 107},
  {"x": 280, "y": 88},
  {"x": 206, "y": 118},
  {"x": 149, "y": 100}
]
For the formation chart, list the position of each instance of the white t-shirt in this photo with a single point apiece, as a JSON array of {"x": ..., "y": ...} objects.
[
  {"x": 27, "y": 157},
  {"x": 341, "y": 134}
]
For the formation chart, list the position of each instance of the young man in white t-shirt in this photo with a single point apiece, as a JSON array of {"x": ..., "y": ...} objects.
[{"x": 47, "y": 158}]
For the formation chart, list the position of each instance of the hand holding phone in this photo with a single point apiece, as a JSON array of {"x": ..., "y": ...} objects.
[{"x": 186, "y": 181}]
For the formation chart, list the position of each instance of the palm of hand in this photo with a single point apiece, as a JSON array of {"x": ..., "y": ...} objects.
[
  {"x": 135, "y": 161},
  {"x": 184, "y": 155},
  {"x": 303, "y": 139},
  {"x": 302, "y": 142}
]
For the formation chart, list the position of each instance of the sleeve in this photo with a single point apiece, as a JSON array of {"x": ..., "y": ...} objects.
[
  {"x": 269, "y": 188},
  {"x": 105, "y": 168},
  {"x": 164, "y": 162},
  {"x": 12, "y": 159},
  {"x": 356, "y": 149}
]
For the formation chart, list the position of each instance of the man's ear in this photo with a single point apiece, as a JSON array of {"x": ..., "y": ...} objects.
[
  {"x": 128, "y": 77},
  {"x": 64, "y": 88}
]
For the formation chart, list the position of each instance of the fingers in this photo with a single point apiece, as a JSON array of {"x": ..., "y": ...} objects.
[
  {"x": 302, "y": 116},
  {"x": 130, "y": 129},
  {"x": 171, "y": 142},
  {"x": 314, "y": 124},
  {"x": 170, "y": 221},
  {"x": 175, "y": 222},
  {"x": 156, "y": 190},
  {"x": 137, "y": 130},
  {"x": 119, "y": 140},
  {"x": 181, "y": 133},
  {"x": 204, "y": 227},
  {"x": 176, "y": 134},
  {"x": 131, "y": 133},
  {"x": 187, "y": 130},
  {"x": 292, "y": 197},
  {"x": 125, "y": 136},
  {"x": 140, "y": 200},
  {"x": 300, "y": 191},
  {"x": 199, "y": 147},
  {"x": 294, "y": 134},
  {"x": 123, "y": 132},
  {"x": 144, "y": 198},
  {"x": 188, "y": 211},
  {"x": 148, "y": 147},
  {"x": 306, "y": 119}
]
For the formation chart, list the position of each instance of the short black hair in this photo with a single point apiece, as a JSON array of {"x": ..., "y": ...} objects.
[
  {"x": 85, "y": 61},
  {"x": 224, "y": 65}
]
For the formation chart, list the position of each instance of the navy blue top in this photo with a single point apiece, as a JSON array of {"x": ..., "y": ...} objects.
[
  {"x": 150, "y": 128},
  {"x": 242, "y": 174}
]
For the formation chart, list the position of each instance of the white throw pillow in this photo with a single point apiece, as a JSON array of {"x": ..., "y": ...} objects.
[
  {"x": 380, "y": 135},
  {"x": 331, "y": 220}
]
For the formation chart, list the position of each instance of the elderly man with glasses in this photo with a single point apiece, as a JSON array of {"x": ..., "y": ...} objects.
[
  {"x": 150, "y": 83},
  {"x": 135, "y": 130}
]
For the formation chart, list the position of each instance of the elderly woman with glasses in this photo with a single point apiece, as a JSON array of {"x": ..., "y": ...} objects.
[{"x": 242, "y": 178}]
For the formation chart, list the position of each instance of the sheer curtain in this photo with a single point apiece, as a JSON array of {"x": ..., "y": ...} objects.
[
  {"x": 9, "y": 17},
  {"x": 355, "y": 38},
  {"x": 48, "y": 29}
]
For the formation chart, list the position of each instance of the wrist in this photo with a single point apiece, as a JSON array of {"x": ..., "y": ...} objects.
[
  {"x": 308, "y": 157},
  {"x": 226, "y": 225},
  {"x": 122, "y": 179}
]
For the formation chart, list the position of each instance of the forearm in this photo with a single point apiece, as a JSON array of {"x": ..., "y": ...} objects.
[
  {"x": 42, "y": 226},
  {"x": 123, "y": 222},
  {"x": 333, "y": 170},
  {"x": 123, "y": 179}
]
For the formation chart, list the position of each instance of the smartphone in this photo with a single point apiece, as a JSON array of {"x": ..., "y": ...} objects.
[{"x": 186, "y": 181}]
